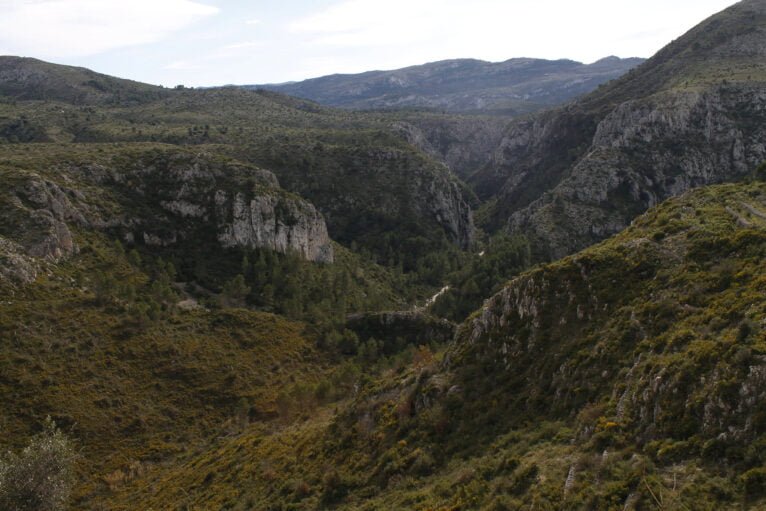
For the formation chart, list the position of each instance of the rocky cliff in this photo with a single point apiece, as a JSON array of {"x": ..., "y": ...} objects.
[
  {"x": 691, "y": 115},
  {"x": 465, "y": 144},
  {"x": 643, "y": 152},
  {"x": 155, "y": 196},
  {"x": 377, "y": 191}
]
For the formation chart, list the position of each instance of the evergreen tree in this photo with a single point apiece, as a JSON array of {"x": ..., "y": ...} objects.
[{"x": 234, "y": 292}]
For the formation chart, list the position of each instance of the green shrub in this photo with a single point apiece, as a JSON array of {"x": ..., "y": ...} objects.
[
  {"x": 41, "y": 477},
  {"x": 754, "y": 482}
]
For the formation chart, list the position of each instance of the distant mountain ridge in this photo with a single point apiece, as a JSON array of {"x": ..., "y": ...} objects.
[{"x": 515, "y": 86}]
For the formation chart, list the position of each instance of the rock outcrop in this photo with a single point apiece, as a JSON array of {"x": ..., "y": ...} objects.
[
  {"x": 38, "y": 218},
  {"x": 644, "y": 152},
  {"x": 271, "y": 221},
  {"x": 381, "y": 194},
  {"x": 192, "y": 195},
  {"x": 692, "y": 115},
  {"x": 464, "y": 144},
  {"x": 243, "y": 206},
  {"x": 158, "y": 198}
]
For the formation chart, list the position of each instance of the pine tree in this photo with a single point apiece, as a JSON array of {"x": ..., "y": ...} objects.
[{"x": 234, "y": 292}]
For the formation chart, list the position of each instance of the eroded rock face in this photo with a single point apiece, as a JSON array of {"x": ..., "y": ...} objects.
[
  {"x": 464, "y": 144},
  {"x": 270, "y": 221},
  {"x": 692, "y": 115},
  {"x": 242, "y": 205},
  {"x": 644, "y": 152},
  {"x": 451, "y": 211},
  {"x": 162, "y": 202},
  {"x": 39, "y": 216}
]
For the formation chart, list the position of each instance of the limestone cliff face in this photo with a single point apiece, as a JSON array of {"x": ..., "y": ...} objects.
[
  {"x": 38, "y": 215},
  {"x": 158, "y": 199},
  {"x": 240, "y": 205},
  {"x": 382, "y": 194},
  {"x": 274, "y": 222},
  {"x": 464, "y": 144},
  {"x": 452, "y": 212},
  {"x": 643, "y": 152}
]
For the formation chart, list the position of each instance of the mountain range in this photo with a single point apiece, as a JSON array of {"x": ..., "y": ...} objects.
[
  {"x": 237, "y": 299},
  {"x": 513, "y": 87}
]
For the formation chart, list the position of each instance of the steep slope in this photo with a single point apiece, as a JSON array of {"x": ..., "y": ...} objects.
[
  {"x": 628, "y": 376},
  {"x": 691, "y": 115},
  {"x": 511, "y": 87},
  {"x": 376, "y": 190},
  {"x": 130, "y": 275},
  {"x": 464, "y": 143}
]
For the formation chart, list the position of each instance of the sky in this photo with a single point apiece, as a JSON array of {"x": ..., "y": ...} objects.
[{"x": 217, "y": 42}]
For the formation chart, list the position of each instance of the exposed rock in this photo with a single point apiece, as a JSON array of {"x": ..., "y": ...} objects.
[
  {"x": 693, "y": 114},
  {"x": 370, "y": 191},
  {"x": 271, "y": 221},
  {"x": 644, "y": 152},
  {"x": 242, "y": 204},
  {"x": 627, "y": 322},
  {"x": 464, "y": 144},
  {"x": 160, "y": 199},
  {"x": 15, "y": 265},
  {"x": 39, "y": 215}
]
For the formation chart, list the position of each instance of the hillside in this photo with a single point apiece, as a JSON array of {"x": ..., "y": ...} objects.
[
  {"x": 31, "y": 79},
  {"x": 162, "y": 289},
  {"x": 241, "y": 300},
  {"x": 690, "y": 115},
  {"x": 148, "y": 195},
  {"x": 563, "y": 391},
  {"x": 512, "y": 87},
  {"x": 372, "y": 187},
  {"x": 150, "y": 310}
]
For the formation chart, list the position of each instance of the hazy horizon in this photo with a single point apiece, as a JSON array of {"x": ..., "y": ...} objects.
[{"x": 218, "y": 42}]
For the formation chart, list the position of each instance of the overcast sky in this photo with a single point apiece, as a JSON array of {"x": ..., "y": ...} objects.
[{"x": 214, "y": 42}]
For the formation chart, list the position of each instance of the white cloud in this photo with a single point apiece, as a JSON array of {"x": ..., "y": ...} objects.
[
  {"x": 183, "y": 65},
  {"x": 244, "y": 44},
  {"x": 77, "y": 28},
  {"x": 253, "y": 22},
  {"x": 411, "y": 31},
  {"x": 207, "y": 60}
]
